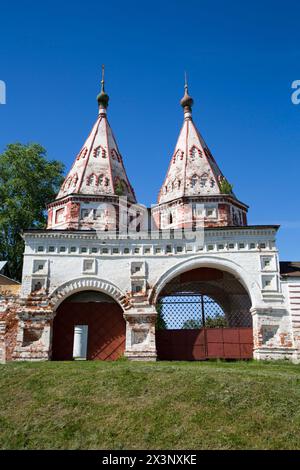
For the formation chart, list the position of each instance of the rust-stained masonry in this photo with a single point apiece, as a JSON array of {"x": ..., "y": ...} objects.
[{"x": 188, "y": 279}]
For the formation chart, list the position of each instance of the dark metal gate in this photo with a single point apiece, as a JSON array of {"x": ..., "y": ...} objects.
[{"x": 192, "y": 325}]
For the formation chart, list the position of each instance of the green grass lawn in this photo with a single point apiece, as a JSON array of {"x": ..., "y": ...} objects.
[{"x": 125, "y": 405}]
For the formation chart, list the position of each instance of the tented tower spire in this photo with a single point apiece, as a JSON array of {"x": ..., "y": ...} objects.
[
  {"x": 194, "y": 174},
  {"x": 97, "y": 171}
]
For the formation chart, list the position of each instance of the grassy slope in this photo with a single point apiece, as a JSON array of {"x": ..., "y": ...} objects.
[{"x": 122, "y": 405}]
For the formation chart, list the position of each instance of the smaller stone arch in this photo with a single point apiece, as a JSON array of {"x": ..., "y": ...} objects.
[
  {"x": 87, "y": 283},
  {"x": 101, "y": 316}
]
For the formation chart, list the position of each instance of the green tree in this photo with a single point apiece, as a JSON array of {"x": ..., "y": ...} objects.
[
  {"x": 160, "y": 321},
  {"x": 119, "y": 189},
  {"x": 28, "y": 182},
  {"x": 225, "y": 186},
  {"x": 219, "y": 321},
  {"x": 192, "y": 324}
]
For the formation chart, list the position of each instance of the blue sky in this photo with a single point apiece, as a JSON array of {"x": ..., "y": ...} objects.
[{"x": 241, "y": 59}]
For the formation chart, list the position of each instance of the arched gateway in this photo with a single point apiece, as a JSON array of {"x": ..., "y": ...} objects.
[
  {"x": 88, "y": 322},
  {"x": 204, "y": 313},
  {"x": 88, "y": 325},
  {"x": 87, "y": 275}
]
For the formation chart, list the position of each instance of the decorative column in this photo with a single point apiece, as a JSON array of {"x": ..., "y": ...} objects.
[
  {"x": 34, "y": 335},
  {"x": 2, "y": 342},
  {"x": 140, "y": 333},
  {"x": 8, "y": 325},
  {"x": 272, "y": 334}
]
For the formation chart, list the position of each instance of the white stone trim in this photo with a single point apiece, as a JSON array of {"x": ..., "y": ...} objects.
[
  {"x": 248, "y": 282},
  {"x": 247, "y": 231},
  {"x": 87, "y": 283}
]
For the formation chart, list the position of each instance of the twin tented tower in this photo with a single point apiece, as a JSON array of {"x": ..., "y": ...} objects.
[
  {"x": 187, "y": 279},
  {"x": 98, "y": 176}
]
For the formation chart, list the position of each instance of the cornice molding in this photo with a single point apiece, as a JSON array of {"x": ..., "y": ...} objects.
[
  {"x": 221, "y": 198},
  {"x": 139, "y": 237}
]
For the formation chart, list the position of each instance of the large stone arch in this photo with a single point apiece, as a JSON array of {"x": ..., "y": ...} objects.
[
  {"x": 71, "y": 287},
  {"x": 196, "y": 329},
  {"x": 246, "y": 279}
]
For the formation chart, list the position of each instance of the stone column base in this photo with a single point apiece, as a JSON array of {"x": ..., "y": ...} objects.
[
  {"x": 20, "y": 354},
  {"x": 149, "y": 356},
  {"x": 2, "y": 342},
  {"x": 140, "y": 333},
  {"x": 33, "y": 342},
  {"x": 276, "y": 353}
]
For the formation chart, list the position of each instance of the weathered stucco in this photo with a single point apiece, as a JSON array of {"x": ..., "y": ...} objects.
[
  {"x": 88, "y": 247},
  {"x": 112, "y": 270}
]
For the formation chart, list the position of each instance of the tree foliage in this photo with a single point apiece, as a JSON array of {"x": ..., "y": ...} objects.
[
  {"x": 192, "y": 324},
  {"x": 219, "y": 321},
  {"x": 225, "y": 186},
  {"x": 160, "y": 321},
  {"x": 119, "y": 189},
  {"x": 28, "y": 182}
]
